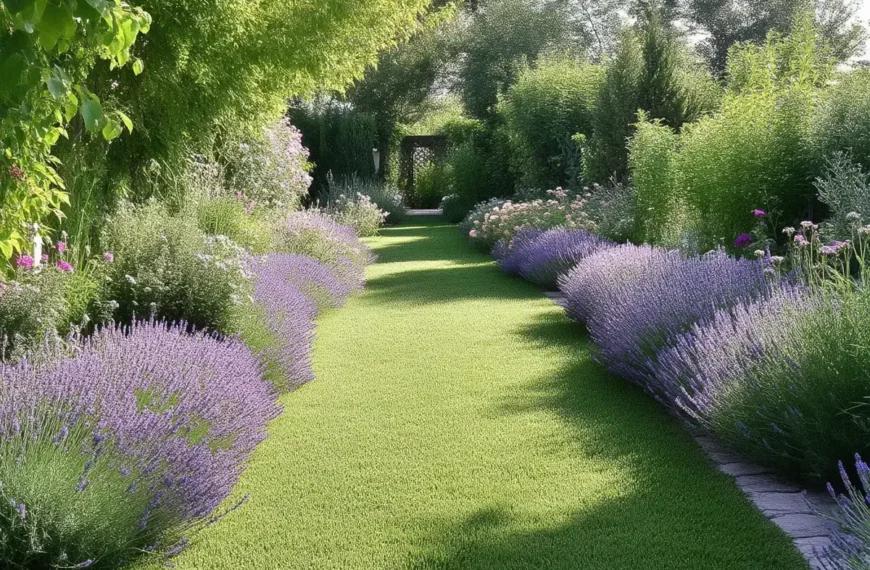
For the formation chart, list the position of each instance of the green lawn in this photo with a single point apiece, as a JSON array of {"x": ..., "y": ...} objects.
[{"x": 458, "y": 422}]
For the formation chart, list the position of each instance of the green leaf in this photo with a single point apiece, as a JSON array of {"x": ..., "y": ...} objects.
[
  {"x": 126, "y": 120},
  {"x": 6, "y": 248},
  {"x": 71, "y": 106},
  {"x": 10, "y": 72},
  {"x": 112, "y": 130},
  {"x": 138, "y": 66},
  {"x": 52, "y": 136},
  {"x": 92, "y": 113},
  {"x": 57, "y": 22},
  {"x": 16, "y": 6},
  {"x": 56, "y": 87}
]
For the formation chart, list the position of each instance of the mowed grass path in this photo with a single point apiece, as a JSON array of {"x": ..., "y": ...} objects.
[{"x": 459, "y": 422}]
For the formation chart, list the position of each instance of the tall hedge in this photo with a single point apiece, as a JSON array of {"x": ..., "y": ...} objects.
[{"x": 550, "y": 102}]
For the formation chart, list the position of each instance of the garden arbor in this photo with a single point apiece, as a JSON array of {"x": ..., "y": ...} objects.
[{"x": 417, "y": 153}]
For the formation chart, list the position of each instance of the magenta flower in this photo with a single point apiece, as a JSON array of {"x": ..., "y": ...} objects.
[
  {"x": 61, "y": 246},
  {"x": 44, "y": 258},
  {"x": 64, "y": 266},
  {"x": 25, "y": 261},
  {"x": 759, "y": 213},
  {"x": 109, "y": 257},
  {"x": 743, "y": 240}
]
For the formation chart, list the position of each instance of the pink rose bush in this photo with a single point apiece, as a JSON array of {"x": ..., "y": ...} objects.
[{"x": 501, "y": 220}]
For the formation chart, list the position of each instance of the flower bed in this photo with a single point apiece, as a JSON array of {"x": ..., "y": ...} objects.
[{"x": 770, "y": 354}]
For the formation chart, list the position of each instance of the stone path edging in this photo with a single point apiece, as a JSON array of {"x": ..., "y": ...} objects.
[
  {"x": 792, "y": 509},
  {"x": 419, "y": 212}
]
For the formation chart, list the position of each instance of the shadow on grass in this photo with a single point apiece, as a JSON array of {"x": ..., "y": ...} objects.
[
  {"x": 668, "y": 508},
  {"x": 462, "y": 274}
]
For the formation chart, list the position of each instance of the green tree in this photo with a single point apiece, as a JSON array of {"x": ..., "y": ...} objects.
[
  {"x": 548, "y": 104},
  {"x": 727, "y": 22},
  {"x": 498, "y": 37},
  {"x": 399, "y": 88},
  {"x": 219, "y": 70},
  {"x": 652, "y": 70},
  {"x": 47, "y": 53}
]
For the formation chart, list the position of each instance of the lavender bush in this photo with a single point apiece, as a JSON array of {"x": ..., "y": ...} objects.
[
  {"x": 799, "y": 401},
  {"x": 851, "y": 540},
  {"x": 313, "y": 278},
  {"x": 585, "y": 286},
  {"x": 319, "y": 236},
  {"x": 542, "y": 256},
  {"x": 122, "y": 448},
  {"x": 638, "y": 306},
  {"x": 711, "y": 358}
]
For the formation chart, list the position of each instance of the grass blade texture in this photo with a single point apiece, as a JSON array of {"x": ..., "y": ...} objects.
[{"x": 458, "y": 422}]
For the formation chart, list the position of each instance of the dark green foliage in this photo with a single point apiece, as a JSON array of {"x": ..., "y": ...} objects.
[
  {"x": 549, "y": 103},
  {"x": 757, "y": 151},
  {"x": 615, "y": 112},
  {"x": 340, "y": 140},
  {"x": 455, "y": 208},
  {"x": 466, "y": 178},
  {"x": 398, "y": 90},
  {"x": 653, "y": 71}
]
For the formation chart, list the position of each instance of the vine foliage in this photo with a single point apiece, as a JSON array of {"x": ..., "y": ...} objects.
[{"x": 47, "y": 50}]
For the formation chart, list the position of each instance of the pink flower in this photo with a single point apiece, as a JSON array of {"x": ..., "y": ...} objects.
[
  {"x": 109, "y": 257},
  {"x": 64, "y": 266},
  {"x": 44, "y": 258},
  {"x": 759, "y": 213},
  {"x": 25, "y": 261},
  {"x": 61, "y": 246},
  {"x": 472, "y": 233}
]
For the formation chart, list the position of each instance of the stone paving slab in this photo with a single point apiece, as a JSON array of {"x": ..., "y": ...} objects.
[
  {"x": 421, "y": 212},
  {"x": 794, "y": 510}
]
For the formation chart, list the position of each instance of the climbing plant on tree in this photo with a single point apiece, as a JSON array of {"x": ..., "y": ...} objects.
[{"x": 47, "y": 49}]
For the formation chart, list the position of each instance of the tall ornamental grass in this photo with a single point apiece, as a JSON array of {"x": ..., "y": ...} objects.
[
  {"x": 119, "y": 450},
  {"x": 543, "y": 256}
]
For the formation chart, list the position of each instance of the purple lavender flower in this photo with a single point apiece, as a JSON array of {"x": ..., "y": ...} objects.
[
  {"x": 542, "y": 256},
  {"x": 319, "y": 236},
  {"x": 759, "y": 213},
  {"x": 743, "y": 240},
  {"x": 637, "y": 300},
  {"x": 289, "y": 314},
  {"x": 181, "y": 412},
  {"x": 850, "y": 536}
]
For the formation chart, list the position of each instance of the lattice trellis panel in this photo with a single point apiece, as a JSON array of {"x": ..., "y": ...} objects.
[{"x": 418, "y": 152}]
